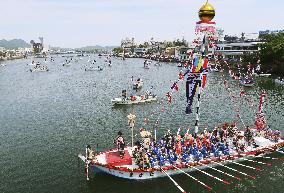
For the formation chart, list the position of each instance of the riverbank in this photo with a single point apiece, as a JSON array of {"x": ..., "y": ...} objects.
[{"x": 11, "y": 58}]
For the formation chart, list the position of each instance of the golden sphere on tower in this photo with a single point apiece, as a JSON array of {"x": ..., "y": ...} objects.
[{"x": 206, "y": 12}]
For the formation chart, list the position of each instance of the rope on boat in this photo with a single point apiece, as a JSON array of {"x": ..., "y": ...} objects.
[
  {"x": 245, "y": 174},
  {"x": 208, "y": 187},
  {"x": 258, "y": 169},
  {"x": 175, "y": 183},
  {"x": 216, "y": 178},
  {"x": 220, "y": 171}
]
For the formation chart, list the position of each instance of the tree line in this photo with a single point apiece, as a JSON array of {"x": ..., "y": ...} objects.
[{"x": 271, "y": 54}]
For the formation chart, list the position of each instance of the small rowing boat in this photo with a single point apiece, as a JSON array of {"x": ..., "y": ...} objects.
[
  {"x": 39, "y": 68},
  {"x": 246, "y": 82},
  {"x": 261, "y": 75},
  {"x": 134, "y": 99},
  {"x": 91, "y": 68},
  {"x": 279, "y": 81}
]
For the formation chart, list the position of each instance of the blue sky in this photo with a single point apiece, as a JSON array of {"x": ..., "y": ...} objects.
[{"x": 76, "y": 23}]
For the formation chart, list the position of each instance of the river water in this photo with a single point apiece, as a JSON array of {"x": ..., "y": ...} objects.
[{"x": 47, "y": 118}]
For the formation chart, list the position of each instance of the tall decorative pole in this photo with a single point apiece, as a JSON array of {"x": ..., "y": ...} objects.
[
  {"x": 131, "y": 122},
  {"x": 198, "y": 103},
  {"x": 206, "y": 36}
]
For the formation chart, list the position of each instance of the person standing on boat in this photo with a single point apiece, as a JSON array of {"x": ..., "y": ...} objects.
[
  {"x": 90, "y": 153},
  {"x": 248, "y": 135},
  {"x": 119, "y": 141},
  {"x": 124, "y": 95}
]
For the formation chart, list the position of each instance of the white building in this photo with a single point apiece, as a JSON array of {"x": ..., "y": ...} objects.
[{"x": 236, "y": 49}]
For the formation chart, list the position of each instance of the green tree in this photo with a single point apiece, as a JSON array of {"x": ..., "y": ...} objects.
[
  {"x": 117, "y": 50},
  {"x": 272, "y": 52}
]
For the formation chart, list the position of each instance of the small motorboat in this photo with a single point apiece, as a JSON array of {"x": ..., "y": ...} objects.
[
  {"x": 247, "y": 82},
  {"x": 39, "y": 68},
  {"x": 91, "y": 68},
  {"x": 279, "y": 81},
  {"x": 66, "y": 64},
  {"x": 214, "y": 69},
  {"x": 147, "y": 64},
  {"x": 261, "y": 75},
  {"x": 134, "y": 99},
  {"x": 33, "y": 63}
]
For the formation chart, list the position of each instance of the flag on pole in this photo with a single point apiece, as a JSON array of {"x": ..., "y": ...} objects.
[
  {"x": 174, "y": 86},
  {"x": 169, "y": 97},
  {"x": 199, "y": 66},
  {"x": 181, "y": 76},
  {"x": 191, "y": 87},
  {"x": 204, "y": 78}
]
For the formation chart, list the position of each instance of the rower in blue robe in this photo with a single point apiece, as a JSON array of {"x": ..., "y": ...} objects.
[
  {"x": 172, "y": 157},
  {"x": 214, "y": 150},
  {"x": 156, "y": 150},
  {"x": 162, "y": 160},
  {"x": 226, "y": 150},
  {"x": 204, "y": 151},
  {"x": 195, "y": 152},
  {"x": 185, "y": 157}
]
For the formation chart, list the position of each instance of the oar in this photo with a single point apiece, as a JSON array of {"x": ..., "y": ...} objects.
[
  {"x": 87, "y": 165},
  {"x": 280, "y": 151},
  {"x": 216, "y": 178},
  {"x": 220, "y": 171},
  {"x": 273, "y": 158},
  {"x": 269, "y": 164},
  {"x": 208, "y": 187},
  {"x": 262, "y": 156},
  {"x": 258, "y": 169},
  {"x": 245, "y": 174},
  {"x": 175, "y": 183}
]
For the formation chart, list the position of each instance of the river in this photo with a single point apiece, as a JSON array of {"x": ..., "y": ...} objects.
[{"x": 47, "y": 118}]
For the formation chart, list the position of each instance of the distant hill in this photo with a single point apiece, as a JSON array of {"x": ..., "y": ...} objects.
[
  {"x": 15, "y": 43},
  {"x": 96, "y": 47}
]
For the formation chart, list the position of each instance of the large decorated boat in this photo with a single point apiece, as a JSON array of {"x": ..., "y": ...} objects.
[{"x": 111, "y": 163}]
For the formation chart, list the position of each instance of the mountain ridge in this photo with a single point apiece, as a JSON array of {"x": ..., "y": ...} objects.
[{"x": 14, "y": 43}]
